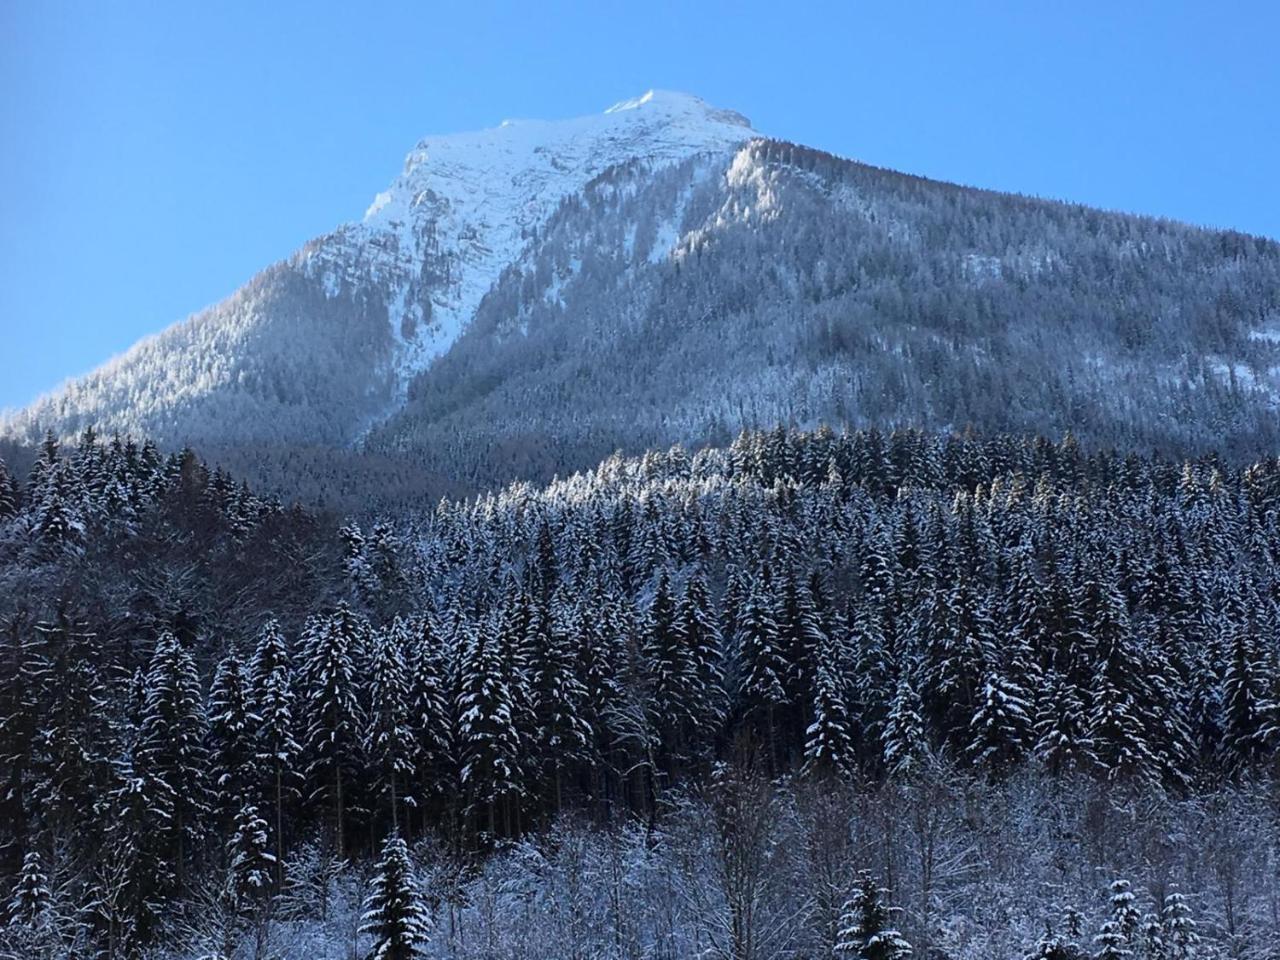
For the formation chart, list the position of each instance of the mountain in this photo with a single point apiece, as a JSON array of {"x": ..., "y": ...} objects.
[{"x": 524, "y": 300}]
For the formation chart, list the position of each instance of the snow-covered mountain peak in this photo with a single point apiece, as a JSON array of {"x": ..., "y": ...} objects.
[{"x": 466, "y": 204}]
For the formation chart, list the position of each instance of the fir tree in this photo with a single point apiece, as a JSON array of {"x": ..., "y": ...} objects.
[
  {"x": 488, "y": 740},
  {"x": 331, "y": 648},
  {"x": 906, "y": 747},
  {"x": 171, "y": 749},
  {"x": 272, "y": 702},
  {"x": 1181, "y": 941},
  {"x": 232, "y": 726},
  {"x": 31, "y": 900},
  {"x": 394, "y": 914},
  {"x": 250, "y": 861},
  {"x": 1001, "y": 727},
  {"x": 865, "y": 931},
  {"x": 829, "y": 744},
  {"x": 389, "y": 739}
]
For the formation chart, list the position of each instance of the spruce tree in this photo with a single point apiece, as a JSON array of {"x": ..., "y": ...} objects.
[
  {"x": 171, "y": 749},
  {"x": 31, "y": 900},
  {"x": 906, "y": 747},
  {"x": 389, "y": 739},
  {"x": 232, "y": 728},
  {"x": 1181, "y": 940},
  {"x": 865, "y": 930},
  {"x": 488, "y": 741},
  {"x": 395, "y": 916},
  {"x": 1001, "y": 726},
  {"x": 275, "y": 746},
  {"x": 250, "y": 862},
  {"x": 332, "y": 646},
  {"x": 829, "y": 744}
]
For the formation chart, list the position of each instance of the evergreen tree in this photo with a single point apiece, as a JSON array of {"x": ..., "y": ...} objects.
[
  {"x": 31, "y": 900},
  {"x": 762, "y": 665},
  {"x": 865, "y": 929},
  {"x": 250, "y": 862},
  {"x": 272, "y": 702},
  {"x": 171, "y": 748},
  {"x": 232, "y": 728},
  {"x": 394, "y": 914},
  {"x": 488, "y": 741},
  {"x": 695, "y": 625},
  {"x": 829, "y": 745},
  {"x": 1001, "y": 727},
  {"x": 906, "y": 747},
  {"x": 1181, "y": 940},
  {"x": 390, "y": 731},
  {"x": 331, "y": 649},
  {"x": 9, "y": 493},
  {"x": 1061, "y": 740}
]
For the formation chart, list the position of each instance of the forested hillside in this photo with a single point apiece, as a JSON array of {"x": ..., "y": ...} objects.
[{"x": 670, "y": 707}]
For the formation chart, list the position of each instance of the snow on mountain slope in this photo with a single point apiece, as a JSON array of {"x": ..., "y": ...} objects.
[
  {"x": 320, "y": 347},
  {"x": 467, "y": 204}
]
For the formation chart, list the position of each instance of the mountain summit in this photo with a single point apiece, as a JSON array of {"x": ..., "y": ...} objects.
[
  {"x": 526, "y": 299},
  {"x": 317, "y": 347}
]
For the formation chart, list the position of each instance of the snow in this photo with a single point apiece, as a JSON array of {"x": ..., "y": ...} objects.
[{"x": 473, "y": 201}]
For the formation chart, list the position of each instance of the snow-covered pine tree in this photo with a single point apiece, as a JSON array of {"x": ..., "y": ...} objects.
[
  {"x": 488, "y": 741},
  {"x": 389, "y": 737},
  {"x": 866, "y": 931},
  {"x": 332, "y": 645},
  {"x": 1243, "y": 685},
  {"x": 429, "y": 713},
  {"x": 9, "y": 493},
  {"x": 564, "y": 735},
  {"x": 906, "y": 746},
  {"x": 251, "y": 863},
  {"x": 395, "y": 916},
  {"x": 59, "y": 523},
  {"x": 171, "y": 748},
  {"x": 763, "y": 668},
  {"x": 1181, "y": 939},
  {"x": 1061, "y": 739},
  {"x": 672, "y": 671},
  {"x": 271, "y": 699},
  {"x": 1001, "y": 726},
  {"x": 31, "y": 900},
  {"x": 1122, "y": 703},
  {"x": 829, "y": 740},
  {"x": 695, "y": 625},
  {"x": 961, "y": 661},
  {"x": 232, "y": 747}
]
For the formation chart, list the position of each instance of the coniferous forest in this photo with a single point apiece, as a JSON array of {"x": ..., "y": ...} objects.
[{"x": 887, "y": 695}]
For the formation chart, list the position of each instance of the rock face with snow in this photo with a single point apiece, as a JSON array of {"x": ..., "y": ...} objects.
[
  {"x": 524, "y": 300},
  {"x": 317, "y": 348}
]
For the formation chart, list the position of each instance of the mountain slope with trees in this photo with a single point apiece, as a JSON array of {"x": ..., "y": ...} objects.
[{"x": 526, "y": 300}]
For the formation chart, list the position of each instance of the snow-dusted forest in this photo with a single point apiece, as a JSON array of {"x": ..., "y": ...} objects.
[{"x": 968, "y": 696}]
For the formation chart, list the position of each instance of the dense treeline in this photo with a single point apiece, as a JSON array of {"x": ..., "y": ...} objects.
[{"x": 996, "y": 648}]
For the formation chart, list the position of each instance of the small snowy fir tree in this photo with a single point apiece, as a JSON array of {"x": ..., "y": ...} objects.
[
  {"x": 865, "y": 931},
  {"x": 394, "y": 914},
  {"x": 1120, "y": 933},
  {"x": 252, "y": 864},
  {"x": 31, "y": 900},
  {"x": 905, "y": 746},
  {"x": 1181, "y": 942},
  {"x": 1054, "y": 947}
]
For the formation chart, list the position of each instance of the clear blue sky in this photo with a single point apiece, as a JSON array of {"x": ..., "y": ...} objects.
[{"x": 153, "y": 156}]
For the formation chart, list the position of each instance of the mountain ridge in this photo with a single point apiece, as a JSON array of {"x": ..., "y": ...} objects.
[{"x": 524, "y": 300}]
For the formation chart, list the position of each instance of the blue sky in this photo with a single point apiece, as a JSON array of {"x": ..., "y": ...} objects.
[{"x": 156, "y": 155}]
